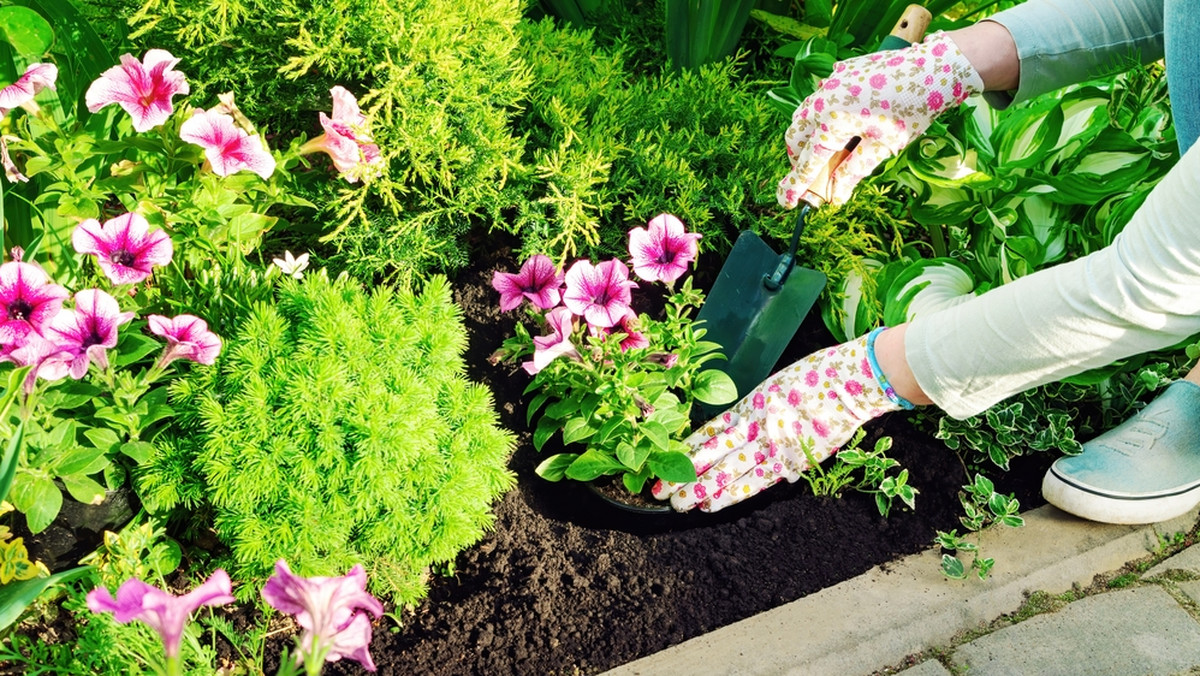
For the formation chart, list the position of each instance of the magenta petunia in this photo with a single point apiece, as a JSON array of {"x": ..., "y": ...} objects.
[
  {"x": 627, "y": 326},
  {"x": 227, "y": 148},
  {"x": 557, "y": 344},
  {"x": 165, "y": 613},
  {"x": 125, "y": 247},
  {"x": 598, "y": 293},
  {"x": 663, "y": 252},
  {"x": 143, "y": 88},
  {"x": 332, "y": 611},
  {"x": 28, "y": 299},
  {"x": 187, "y": 337},
  {"x": 347, "y": 139},
  {"x": 539, "y": 281},
  {"x": 88, "y": 331}
]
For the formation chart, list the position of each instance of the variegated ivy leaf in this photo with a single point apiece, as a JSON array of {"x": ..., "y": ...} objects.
[{"x": 926, "y": 286}]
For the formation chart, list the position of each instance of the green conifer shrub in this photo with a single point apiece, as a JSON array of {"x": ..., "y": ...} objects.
[
  {"x": 337, "y": 428},
  {"x": 613, "y": 144},
  {"x": 440, "y": 78}
]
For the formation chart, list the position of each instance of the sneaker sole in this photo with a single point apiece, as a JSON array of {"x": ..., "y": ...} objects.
[{"x": 1094, "y": 505}]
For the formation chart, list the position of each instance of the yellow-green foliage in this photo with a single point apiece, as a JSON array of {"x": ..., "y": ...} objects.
[
  {"x": 337, "y": 428},
  {"x": 613, "y": 144},
  {"x": 441, "y": 79}
]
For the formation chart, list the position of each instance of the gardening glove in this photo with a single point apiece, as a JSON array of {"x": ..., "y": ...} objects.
[
  {"x": 887, "y": 99},
  {"x": 795, "y": 418}
]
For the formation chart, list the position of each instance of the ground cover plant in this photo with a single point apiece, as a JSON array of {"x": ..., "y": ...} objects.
[{"x": 343, "y": 222}]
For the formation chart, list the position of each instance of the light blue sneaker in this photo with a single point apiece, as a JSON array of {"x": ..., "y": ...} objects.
[{"x": 1145, "y": 470}]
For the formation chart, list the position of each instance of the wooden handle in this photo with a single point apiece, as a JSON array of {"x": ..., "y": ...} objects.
[
  {"x": 821, "y": 187},
  {"x": 913, "y": 23}
]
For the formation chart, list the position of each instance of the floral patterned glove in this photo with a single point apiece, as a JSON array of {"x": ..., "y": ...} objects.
[
  {"x": 814, "y": 405},
  {"x": 886, "y": 98}
]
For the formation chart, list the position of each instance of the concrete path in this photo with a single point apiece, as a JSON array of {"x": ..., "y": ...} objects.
[{"x": 906, "y": 617}]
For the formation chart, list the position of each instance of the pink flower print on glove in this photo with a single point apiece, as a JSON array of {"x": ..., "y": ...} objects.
[
  {"x": 887, "y": 100},
  {"x": 792, "y": 419}
]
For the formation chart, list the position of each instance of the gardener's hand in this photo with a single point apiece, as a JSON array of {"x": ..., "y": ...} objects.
[
  {"x": 797, "y": 417},
  {"x": 887, "y": 99}
]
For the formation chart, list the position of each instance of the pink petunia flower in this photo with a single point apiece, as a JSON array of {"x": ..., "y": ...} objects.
[
  {"x": 28, "y": 300},
  {"x": 124, "y": 246},
  {"x": 50, "y": 361},
  {"x": 143, "y": 88},
  {"x": 227, "y": 148},
  {"x": 558, "y": 343},
  {"x": 539, "y": 281},
  {"x": 600, "y": 294},
  {"x": 633, "y": 339},
  {"x": 332, "y": 611},
  {"x": 663, "y": 252},
  {"x": 37, "y": 76},
  {"x": 347, "y": 139},
  {"x": 165, "y": 613},
  {"x": 88, "y": 331},
  {"x": 187, "y": 337}
]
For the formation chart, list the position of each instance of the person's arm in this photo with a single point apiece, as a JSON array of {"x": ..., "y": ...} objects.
[{"x": 1060, "y": 42}]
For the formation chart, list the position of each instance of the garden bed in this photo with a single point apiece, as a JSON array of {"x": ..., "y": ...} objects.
[{"x": 567, "y": 584}]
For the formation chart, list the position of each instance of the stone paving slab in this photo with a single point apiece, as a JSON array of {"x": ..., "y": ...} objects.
[
  {"x": 1131, "y": 631},
  {"x": 1188, "y": 561},
  {"x": 877, "y": 619},
  {"x": 926, "y": 668}
]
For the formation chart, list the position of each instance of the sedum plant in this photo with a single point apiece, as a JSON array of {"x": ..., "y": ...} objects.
[{"x": 337, "y": 430}]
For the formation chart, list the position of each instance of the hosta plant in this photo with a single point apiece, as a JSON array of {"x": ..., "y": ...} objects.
[
  {"x": 621, "y": 385},
  {"x": 337, "y": 429}
]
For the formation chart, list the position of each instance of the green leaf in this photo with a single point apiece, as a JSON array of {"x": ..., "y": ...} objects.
[
  {"x": 634, "y": 457},
  {"x": 15, "y": 597},
  {"x": 534, "y": 405},
  {"x": 83, "y": 488},
  {"x": 607, "y": 430},
  {"x": 81, "y": 460},
  {"x": 593, "y": 464},
  {"x": 714, "y": 387},
  {"x": 953, "y": 568},
  {"x": 634, "y": 483},
  {"x": 546, "y": 428},
  {"x": 29, "y": 34},
  {"x": 103, "y": 437},
  {"x": 139, "y": 451},
  {"x": 38, "y": 499},
  {"x": 577, "y": 429},
  {"x": 12, "y": 455},
  {"x": 555, "y": 467},
  {"x": 926, "y": 286},
  {"x": 134, "y": 346},
  {"x": 657, "y": 434},
  {"x": 672, "y": 466}
]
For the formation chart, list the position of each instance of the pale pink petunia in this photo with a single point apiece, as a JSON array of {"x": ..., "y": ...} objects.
[
  {"x": 227, "y": 148},
  {"x": 662, "y": 252},
  {"x": 187, "y": 337},
  {"x": 539, "y": 280},
  {"x": 598, "y": 293},
  {"x": 347, "y": 139},
  {"x": 37, "y": 76},
  {"x": 89, "y": 330},
  {"x": 125, "y": 247},
  {"x": 143, "y": 88},
  {"x": 165, "y": 613},
  {"x": 50, "y": 362},
  {"x": 334, "y": 612},
  {"x": 557, "y": 344}
]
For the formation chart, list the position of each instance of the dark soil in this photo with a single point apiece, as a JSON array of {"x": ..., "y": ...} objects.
[{"x": 567, "y": 584}]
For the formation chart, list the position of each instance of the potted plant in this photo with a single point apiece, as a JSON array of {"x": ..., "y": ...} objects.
[{"x": 619, "y": 385}]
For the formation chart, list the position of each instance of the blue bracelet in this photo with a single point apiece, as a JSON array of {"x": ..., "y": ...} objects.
[{"x": 882, "y": 379}]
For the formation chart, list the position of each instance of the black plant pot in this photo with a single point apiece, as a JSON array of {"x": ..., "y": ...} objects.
[{"x": 78, "y": 529}]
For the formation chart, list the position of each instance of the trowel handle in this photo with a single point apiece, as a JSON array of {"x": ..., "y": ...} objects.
[
  {"x": 822, "y": 186},
  {"x": 909, "y": 28}
]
